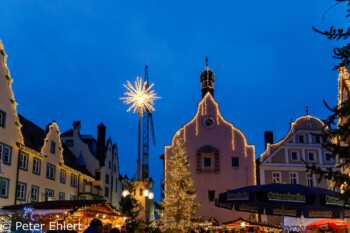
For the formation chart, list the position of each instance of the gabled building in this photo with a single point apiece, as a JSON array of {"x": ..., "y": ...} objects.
[
  {"x": 100, "y": 158},
  {"x": 220, "y": 158},
  {"x": 36, "y": 165},
  {"x": 282, "y": 162}
]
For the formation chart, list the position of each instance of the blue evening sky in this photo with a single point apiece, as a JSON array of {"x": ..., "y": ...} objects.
[{"x": 69, "y": 60}]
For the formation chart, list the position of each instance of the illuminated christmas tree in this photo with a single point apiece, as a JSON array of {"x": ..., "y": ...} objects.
[{"x": 179, "y": 210}]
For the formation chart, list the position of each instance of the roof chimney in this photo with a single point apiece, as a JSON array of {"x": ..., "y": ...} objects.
[
  {"x": 268, "y": 135},
  {"x": 76, "y": 125},
  {"x": 101, "y": 141}
]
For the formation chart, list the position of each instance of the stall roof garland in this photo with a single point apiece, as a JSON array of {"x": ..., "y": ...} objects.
[
  {"x": 73, "y": 205},
  {"x": 252, "y": 223}
]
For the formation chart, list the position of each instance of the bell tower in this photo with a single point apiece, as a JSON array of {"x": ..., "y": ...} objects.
[{"x": 207, "y": 80}]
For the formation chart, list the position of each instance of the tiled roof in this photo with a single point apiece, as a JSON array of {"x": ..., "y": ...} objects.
[
  {"x": 34, "y": 138},
  {"x": 33, "y": 135},
  {"x": 68, "y": 133}
]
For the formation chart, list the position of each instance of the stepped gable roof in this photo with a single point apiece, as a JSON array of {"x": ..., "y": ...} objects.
[
  {"x": 71, "y": 161},
  {"x": 68, "y": 133},
  {"x": 33, "y": 135}
]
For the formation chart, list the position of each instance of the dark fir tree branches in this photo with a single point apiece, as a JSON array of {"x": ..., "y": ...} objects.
[{"x": 334, "y": 33}]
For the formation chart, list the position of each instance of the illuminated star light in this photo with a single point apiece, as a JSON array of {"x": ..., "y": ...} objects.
[{"x": 139, "y": 96}]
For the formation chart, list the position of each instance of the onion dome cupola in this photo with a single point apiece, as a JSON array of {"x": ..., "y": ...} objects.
[{"x": 207, "y": 79}]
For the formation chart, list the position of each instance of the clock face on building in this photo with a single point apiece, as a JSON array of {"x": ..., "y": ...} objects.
[{"x": 209, "y": 122}]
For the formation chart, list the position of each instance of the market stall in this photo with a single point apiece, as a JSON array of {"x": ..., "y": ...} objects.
[{"x": 57, "y": 215}]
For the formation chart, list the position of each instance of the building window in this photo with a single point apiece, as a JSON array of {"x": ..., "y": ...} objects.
[
  {"x": 115, "y": 168},
  {"x": 317, "y": 139},
  {"x": 53, "y": 147},
  {"x": 141, "y": 192},
  {"x": 69, "y": 143},
  {"x": 294, "y": 155},
  {"x": 73, "y": 180},
  {"x": 4, "y": 187},
  {"x": 72, "y": 197},
  {"x": 310, "y": 179},
  {"x": 116, "y": 185},
  {"x": 106, "y": 191},
  {"x": 23, "y": 161},
  {"x": 328, "y": 157},
  {"x": 235, "y": 162},
  {"x": 211, "y": 195},
  {"x": 34, "y": 193},
  {"x": 82, "y": 198},
  {"x": 311, "y": 156},
  {"x": 21, "y": 191},
  {"x": 308, "y": 125},
  {"x": 109, "y": 164},
  {"x": 5, "y": 154},
  {"x": 61, "y": 196},
  {"x": 207, "y": 162},
  {"x": 62, "y": 176},
  {"x": 36, "y": 166},
  {"x": 276, "y": 177},
  {"x": 2, "y": 119},
  {"x": 49, "y": 194},
  {"x": 293, "y": 178},
  {"x": 107, "y": 179},
  {"x": 301, "y": 139},
  {"x": 50, "y": 171}
]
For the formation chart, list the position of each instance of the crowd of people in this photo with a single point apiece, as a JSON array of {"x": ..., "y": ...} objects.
[{"x": 96, "y": 226}]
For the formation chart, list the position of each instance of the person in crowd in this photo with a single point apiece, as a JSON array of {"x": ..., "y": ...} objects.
[
  {"x": 114, "y": 230},
  {"x": 107, "y": 228},
  {"x": 146, "y": 230},
  {"x": 96, "y": 226},
  {"x": 123, "y": 229}
]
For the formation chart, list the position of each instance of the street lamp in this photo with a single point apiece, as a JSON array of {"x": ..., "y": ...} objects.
[{"x": 141, "y": 98}]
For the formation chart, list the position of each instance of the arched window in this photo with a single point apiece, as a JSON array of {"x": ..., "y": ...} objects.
[{"x": 208, "y": 160}]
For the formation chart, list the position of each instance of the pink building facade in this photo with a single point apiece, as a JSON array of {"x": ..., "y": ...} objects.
[{"x": 219, "y": 156}]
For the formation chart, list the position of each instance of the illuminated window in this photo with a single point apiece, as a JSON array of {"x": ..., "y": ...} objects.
[{"x": 276, "y": 177}]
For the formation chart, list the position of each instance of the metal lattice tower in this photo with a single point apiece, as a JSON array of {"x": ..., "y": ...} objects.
[{"x": 147, "y": 124}]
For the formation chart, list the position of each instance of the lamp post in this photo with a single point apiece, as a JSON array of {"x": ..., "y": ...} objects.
[{"x": 141, "y": 98}]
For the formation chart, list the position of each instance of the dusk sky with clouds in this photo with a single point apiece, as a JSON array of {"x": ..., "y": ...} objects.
[{"x": 69, "y": 59}]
